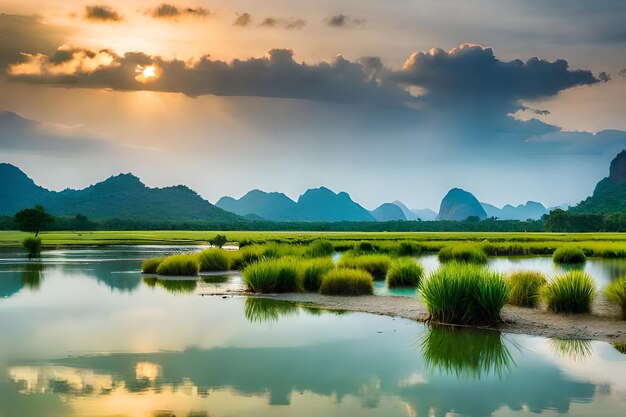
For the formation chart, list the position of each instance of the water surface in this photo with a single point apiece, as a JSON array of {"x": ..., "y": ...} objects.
[{"x": 84, "y": 334}]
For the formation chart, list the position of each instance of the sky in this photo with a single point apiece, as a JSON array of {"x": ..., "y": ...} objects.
[{"x": 512, "y": 100}]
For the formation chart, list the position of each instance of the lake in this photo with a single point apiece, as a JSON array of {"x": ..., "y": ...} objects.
[{"x": 84, "y": 334}]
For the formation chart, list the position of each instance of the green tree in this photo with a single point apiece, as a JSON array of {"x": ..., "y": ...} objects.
[
  {"x": 218, "y": 241},
  {"x": 33, "y": 220}
]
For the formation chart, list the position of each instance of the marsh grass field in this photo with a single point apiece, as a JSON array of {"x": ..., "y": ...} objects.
[{"x": 608, "y": 245}]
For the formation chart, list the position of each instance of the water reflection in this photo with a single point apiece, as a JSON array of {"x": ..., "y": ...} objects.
[
  {"x": 466, "y": 353},
  {"x": 573, "y": 349},
  {"x": 173, "y": 286},
  {"x": 265, "y": 310},
  {"x": 620, "y": 347}
]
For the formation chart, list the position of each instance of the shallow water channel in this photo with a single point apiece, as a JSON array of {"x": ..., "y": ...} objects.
[{"x": 83, "y": 334}]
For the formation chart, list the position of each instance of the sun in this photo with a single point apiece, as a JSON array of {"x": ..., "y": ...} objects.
[{"x": 146, "y": 73}]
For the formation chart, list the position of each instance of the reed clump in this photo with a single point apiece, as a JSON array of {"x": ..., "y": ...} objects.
[
  {"x": 462, "y": 253},
  {"x": 181, "y": 265},
  {"x": 570, "y": 292},
  {"x": 347, "y": 281},
  {"x": 310, "y": 272},
  {"x": 376, "y": 265},
  {"x": 149, "y": 266},
  {"x": 272, "y": 276},
  {"x": 526, "y": 287},
  {"x": 569, "y": 255},
  {"x": 616, "y": 292},
  {"x": 213, "y": 260},
  {"x": 461, "y": 293},
  {"x": 404, "y": 272}
]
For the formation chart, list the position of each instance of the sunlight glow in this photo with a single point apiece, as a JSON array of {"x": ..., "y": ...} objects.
[{"x": 146, "y": 73}]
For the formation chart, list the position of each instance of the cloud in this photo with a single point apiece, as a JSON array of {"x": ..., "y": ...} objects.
[
  {"x": 170, "y": 11},
  {"x": 21, "y": 35},
  {"x": 275, "y": 75},
  {"x": 471, "y": 76},
  {"x": 18, "y": 134},
  {"x": 102, "y": 14},
  {"x": 341, "y": 20},
  {"x": 292, "y": 23},
  {"x": 243, "y": 20}
]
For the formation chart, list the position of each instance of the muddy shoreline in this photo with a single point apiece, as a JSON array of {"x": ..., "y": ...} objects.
[{"x": 604, "y": 324}]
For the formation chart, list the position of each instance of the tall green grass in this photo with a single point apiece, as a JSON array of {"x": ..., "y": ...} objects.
[
  {"x": 616, "y": 292},
  {"x": 178, "y": 265},
  {"x": 281, "y": 250},
  {"x": 569, "y": 255},
  {"x": 525, "y": 287},
  {"x": 272, "y": 276},
  {"x": 364, "y": 246},
  {"x": 310, "y": 272},
  {"x": 570, "y": 292},
  {"x": 319, "y": 248},
  {"x": 465, "y": 353},
  {"x": 347, "y": 281},
  {"x": 150, "y": 265},
  {"x": 245, "y": 256},
  {"x": 404, "y": 272},
  {"x": 408, "y": 248},
  {"x": 376, "y": 265},
  {"x": 460, "y": 293},
  {"x": 462, "y": 253},
  {"x": 214, "y": 259}
]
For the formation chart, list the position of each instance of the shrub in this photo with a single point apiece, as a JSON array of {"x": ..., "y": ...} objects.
[
  {"x": 272, "y": 275},
  {"x": 460, "y": 293},
  {"x": 212, "y": 260},
  {"x": 310, "y": 272},
  {"x": 364, "y": 247},
  {"x": 404, "y": 272},
  {"x": 32, "y": 245},
  {"x": 616, "y": 292},
  {"x": 571, "y": 292},
  {"x": 346, "y": 281},
  {"x": 178, "y": 265},
  {"x": 149, "y": 266},
  {"x": 462, "y": 253},
  {"x": 569, "y": 255},
  {"x": 247, "y": 255},
  {"x": 408, "y": 248},
  {"x": 376, "y": 265},
  {"x": 525, "y": 287},
  {"x": 319, "y": 248}
]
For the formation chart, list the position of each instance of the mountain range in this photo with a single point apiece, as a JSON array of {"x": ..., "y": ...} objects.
[{"x": 124, "y": 196}]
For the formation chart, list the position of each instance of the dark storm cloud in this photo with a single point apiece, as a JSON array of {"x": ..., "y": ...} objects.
[
  {"x": 170, "y": 11},
  {"x": 275, "y": 75},
  {"x": 466, "y": 79},
  {"x": 243, "y": 20},
  {"x": 21, "y": 35},
  {"x": 274, "y": 22},
  {"x": 472, "y": 74},
  {"x": 341, "y": 20},
  {"x": 19, "y": 134},
  {"x": 102, "y": 14}
]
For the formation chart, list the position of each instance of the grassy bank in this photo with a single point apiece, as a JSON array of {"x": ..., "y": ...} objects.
[{"x": 609, "y": 245}]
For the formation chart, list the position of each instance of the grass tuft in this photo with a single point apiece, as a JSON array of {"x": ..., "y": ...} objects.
[
  {"x": 569, "y": 255},
  {"x": 149, "y": 266},
  {"x": 571, "y": 292},
  {"x": 319, "y": 248},
  {"x": 408, "y": 248},
  {"x": 213, "y": 260},
  {"x": 272, "y": 276},
  {"x": 32, "y": 245},
  {"x": 616, "y": 292},
  {"x": 310, "y": 272},
  {"x": 404, "y": 272},
  {"x": 462, "y": 253},
  {"x": 179, "y": 265},
  {"x": 376, "y": 265},
  {"x": 525, "y": 287},
  {"x": 460, "y": 293},
  {"x": 346, "y": 281}
]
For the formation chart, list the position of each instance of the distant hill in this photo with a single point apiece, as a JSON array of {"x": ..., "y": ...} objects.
[
  {"x": 323, "y": 205},
  {"x": 388, "y": 212},
  {"x": 609, "y": 196},
  {"x": 458, "y": 205},
  {"x": 123, "y": 196},
  {"x": 259, "y": 204},
  {"x": 530, "y": 210},
  {"x": 426, "y": 215}
]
